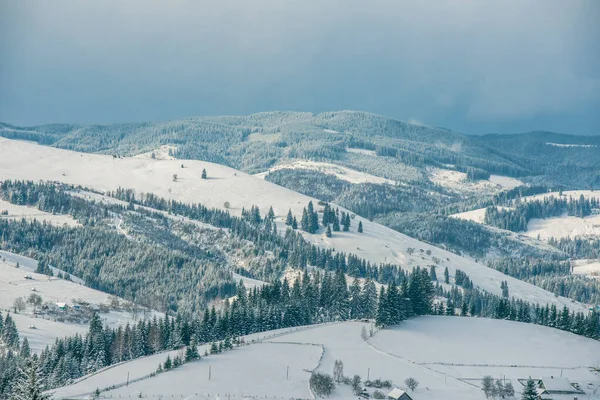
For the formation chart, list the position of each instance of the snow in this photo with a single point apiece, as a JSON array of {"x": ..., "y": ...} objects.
[
  {"x": 457, "y": 182},
  {"x": 502, "y": 349},
  {"x": 505, "y": 182},
  {"x": 571, "y": 145},
  {"x": 17, "y": 212},
  {"x": 45, "y": 331},
  {"x": 343, "y": 173},
  {"x": 589, "y": 268},
  {"x": 257, "y": 370},
  {"x": 330, "y": 131},
  {"x": 114, "y": 375},
  {"x": 448, "y": 356},
  {"x": 362, "y": 151},
  {"x": 377, "y": 244},
  {"x": 248, "y": 282},
  {"x": 53, "y": 290},
  {"x": 563, "y": 227},
  {"x": 475, "y": 215},
  {"x": 162, "y": 153}
]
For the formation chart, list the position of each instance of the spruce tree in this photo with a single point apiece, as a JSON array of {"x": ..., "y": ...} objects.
[
  {"x": 360, "y": 227},
  {"x": 25, "y": 350},
  {"x": 204, "y": 176},
  {"x": 290, "y": 218},
  {"x": 295, "y": 223},
  {"x": 305, "y": 223},
  {"x": 529, "y": 392},
  {"x": 29, "y": 385},
  {"x": 328, "y": 231},
  {"x": 446, "y": 276}
]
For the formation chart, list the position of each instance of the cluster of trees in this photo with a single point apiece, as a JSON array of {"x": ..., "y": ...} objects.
[
  {"x": 497, "y": 389},
  {"x": 309, "y": 299},
  {"x": 578, "y": 247},
  {"x": 476, "y": 302},
  {"x": 332, "y": 218},
  {"x": 516, "y": 219},
  {"x": 413, "y": 297}
]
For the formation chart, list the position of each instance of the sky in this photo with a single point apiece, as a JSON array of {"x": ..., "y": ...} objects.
[{"x": 468, "y": 65}]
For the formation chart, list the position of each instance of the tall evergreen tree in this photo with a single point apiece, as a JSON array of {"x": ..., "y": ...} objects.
[{"x": 29, "y": 385}]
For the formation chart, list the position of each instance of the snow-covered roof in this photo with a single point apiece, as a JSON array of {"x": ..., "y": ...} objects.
[
  {"x": 396, "y": 393},
  {"x": 557, "y": 384}
]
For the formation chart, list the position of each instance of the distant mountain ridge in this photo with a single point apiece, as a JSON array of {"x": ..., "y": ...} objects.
[{"x": 230, "y": 140}]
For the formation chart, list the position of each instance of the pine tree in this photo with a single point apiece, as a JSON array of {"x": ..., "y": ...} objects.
[
  {"x": 28, "y": 385},
  {"x": 487, "y": 385},
  {"x": 529, "y": 392},
  {"x": 360, "y": 227},
  {"x": 356, "y": 300},
  {"x": 446, "y": 276},
  {"x": 369, "y": 298},
  {"x": 204, "y": 173},
  {"x": 305, "y": 223},
  {"x": 336, "y": 223},
  {"x": 290, "y": 218},
  {"x": 25, "y": 350},
  {"x": 328, "y": 231}
]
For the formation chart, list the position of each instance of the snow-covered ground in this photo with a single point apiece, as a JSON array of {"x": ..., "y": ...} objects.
[
  {"x": 16, "y": 212},
  {"x": 43, "y": 332},
  {"x": 53, "y": 290},
  {"x": 117, "y": 374},
  {"x": 448, "y": 356},
  {"x": 571, "y": 145},
  {"x": 589, "y": 268},
  {"x": 248, "y": 282},
  {"x": 343, "y": 173},
  {"x": 377, "y": 243},
  {"x": 556, "y": 227},
  {"x": 362, "y": 151},
  {"x": 565, "y": 226},
  {"x": 261, "y": 370},
  {"x": 457, "y": 181},
  {"x": 474, "y": 215}
]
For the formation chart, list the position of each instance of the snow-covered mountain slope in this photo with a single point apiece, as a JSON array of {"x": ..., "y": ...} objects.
[
  {"x": 42, "y": 327},
  {"x": 15, "y": 212},
  {"x": 433, "y": 350},
  {"x": 554, "y": 227},
  {"x": 340, "y": 172},
  {"x": 25, "y": 160}
]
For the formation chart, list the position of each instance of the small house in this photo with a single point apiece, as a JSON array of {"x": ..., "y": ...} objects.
[
  {"x": 61, "y": 306},
  {"x": 556, "y": 387},
  {"x": 398, "y": 394}
]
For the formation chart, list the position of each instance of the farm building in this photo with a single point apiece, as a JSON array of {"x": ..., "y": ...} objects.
[
  {"x": 398, "y": 394},
  {"x": 556, "y": 388}
]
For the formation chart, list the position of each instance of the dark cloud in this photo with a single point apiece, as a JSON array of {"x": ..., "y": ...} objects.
[{"x": 470, "y": 65}]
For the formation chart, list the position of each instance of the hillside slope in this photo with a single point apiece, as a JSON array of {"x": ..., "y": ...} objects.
[{"x": 24, "y": 160}]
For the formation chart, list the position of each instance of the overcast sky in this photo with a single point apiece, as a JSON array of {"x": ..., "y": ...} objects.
[{"x": 470, "y": 65}]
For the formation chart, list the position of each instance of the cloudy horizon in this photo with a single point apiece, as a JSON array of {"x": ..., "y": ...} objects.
[{"x": 470, "y": 66}]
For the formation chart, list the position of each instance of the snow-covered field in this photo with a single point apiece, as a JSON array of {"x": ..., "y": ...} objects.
[
  {"x": 114, "y": 375},
  {"x": 565, "y": 226},
  {"x": 447, "y": 362},
  {"x": 377, "y": 243},
  {"x": 362, "y": 151},
  {"x": 45, "y": 331},
  {"x": 343, "y": 173},
  {"x": 474, "y": 215},
  {"x": 13, "y": 285},
  {"x": 589, "y": 268},
  {"x": 16, "y": 212},
  {"x": 457, "y": 181},
  {"x": 556, "y": 227}
]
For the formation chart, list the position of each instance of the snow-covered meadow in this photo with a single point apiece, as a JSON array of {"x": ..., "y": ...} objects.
[
  {"x": 436, "y": 351},
  {"x": 377, "y": 243}
]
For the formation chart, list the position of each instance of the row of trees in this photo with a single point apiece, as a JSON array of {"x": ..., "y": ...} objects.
[{"x": 515, "y": 219}]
